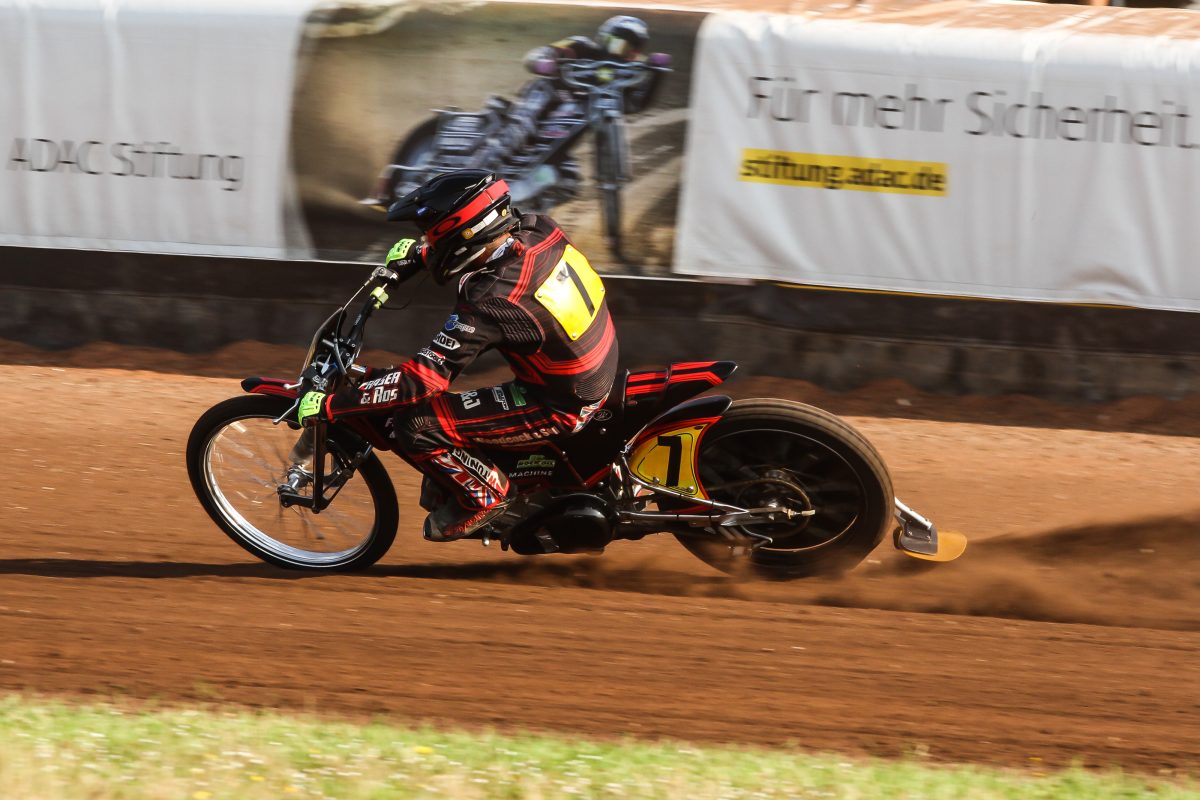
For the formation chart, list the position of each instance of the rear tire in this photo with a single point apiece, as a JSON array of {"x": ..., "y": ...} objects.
[
  {"x": 416, "y": 151},
  {"x": 228, "y": 504},
  {"x": 842, "y": 477}
]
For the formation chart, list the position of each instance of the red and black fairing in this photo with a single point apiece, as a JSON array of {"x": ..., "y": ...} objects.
[
  {"x": 635, "y": 401},
  {"x": 647, "y": 394}
]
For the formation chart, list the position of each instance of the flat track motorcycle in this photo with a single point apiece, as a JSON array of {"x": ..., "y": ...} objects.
[
  {"x": 766, "y": 488},
  {"x": 531, "y": 142}
]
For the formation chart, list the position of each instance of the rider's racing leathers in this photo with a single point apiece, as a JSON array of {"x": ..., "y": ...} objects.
[
  {"x": 541, "y": 306},
  {"x": 581, "y": 48}
]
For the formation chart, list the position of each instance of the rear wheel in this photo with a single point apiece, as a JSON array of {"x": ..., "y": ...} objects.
[
  {"x": 417, "y": 148},
  {"x": 415, "y": 153},
  {"x": 777, "y": 453},
  {"x": 237, "y": 460}
]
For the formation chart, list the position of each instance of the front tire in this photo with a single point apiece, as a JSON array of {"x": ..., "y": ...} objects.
[
  {"x": 236, "y": 459},
  {"x": 609, "y": 176},
  {"x": 778, "y": 452}
]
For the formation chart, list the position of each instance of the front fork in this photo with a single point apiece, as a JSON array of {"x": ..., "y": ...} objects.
[{"x": 307, "y": 459}]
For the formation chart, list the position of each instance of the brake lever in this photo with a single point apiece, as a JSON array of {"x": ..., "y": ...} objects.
[{"x": 291, "y": 410}]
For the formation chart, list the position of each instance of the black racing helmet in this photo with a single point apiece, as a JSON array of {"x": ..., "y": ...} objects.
[
  {"x": 623, "y": 36},
  {"x": 460, "y": 213}
]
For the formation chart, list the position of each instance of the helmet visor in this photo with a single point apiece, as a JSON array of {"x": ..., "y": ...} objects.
[{"x": 616, "y": 46}]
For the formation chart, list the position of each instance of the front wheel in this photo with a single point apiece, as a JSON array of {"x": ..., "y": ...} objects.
[
  {"x": 237, "y": 460},
  {"x": 610, "y": 175},
  {"x": 777, "y": 453}
]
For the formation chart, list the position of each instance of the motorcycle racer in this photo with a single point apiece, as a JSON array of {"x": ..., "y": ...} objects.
[
  {"x": 524, "y": 290},
  {"x": 622, "y": 38}
]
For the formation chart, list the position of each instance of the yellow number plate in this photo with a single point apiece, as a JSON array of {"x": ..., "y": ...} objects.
[
  {"x": 669, "y": 459},
  {"x": 572, "y": 293}
]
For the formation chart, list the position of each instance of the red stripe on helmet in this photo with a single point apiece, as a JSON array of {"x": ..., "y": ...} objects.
[{"x": 462, "y": 216}]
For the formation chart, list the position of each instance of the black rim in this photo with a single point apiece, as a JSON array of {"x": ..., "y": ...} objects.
[{"x": 775, "y": 467}]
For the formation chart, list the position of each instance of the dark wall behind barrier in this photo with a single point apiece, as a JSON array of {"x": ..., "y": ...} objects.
[{"x": 838, "y": 340}]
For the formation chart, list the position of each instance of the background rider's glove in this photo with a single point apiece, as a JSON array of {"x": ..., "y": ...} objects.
[
  {"x": 542, "y": 61},
  {"x": 312, "y": 409},
  {"x": 405, "y": 258}
]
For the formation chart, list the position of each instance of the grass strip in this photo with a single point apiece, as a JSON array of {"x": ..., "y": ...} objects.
[{"x": 102, "y": 752}]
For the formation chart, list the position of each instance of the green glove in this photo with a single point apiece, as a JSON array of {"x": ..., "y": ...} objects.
[
  {"x": 312, "y": 406},
  {"x": 399, "y": 252},
  {"x": 405, "y": 259}
]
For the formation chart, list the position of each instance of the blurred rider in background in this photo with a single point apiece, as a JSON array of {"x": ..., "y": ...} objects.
[
  {"x": 524, "y": 290},
  {"x": 622, "y": 39}
]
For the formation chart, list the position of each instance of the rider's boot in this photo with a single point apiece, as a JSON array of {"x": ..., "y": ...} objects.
[
  {"x": 482, "y": 495},
  {"x": 451, "y": 521}
]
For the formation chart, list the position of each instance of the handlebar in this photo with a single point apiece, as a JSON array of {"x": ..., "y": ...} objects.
[
  {"x": 628, "y": 73},
  {"x": 332, "y": 353}
]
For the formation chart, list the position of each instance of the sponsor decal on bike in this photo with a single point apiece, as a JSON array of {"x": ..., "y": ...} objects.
[
  {"x": 448, "y": 342},
  {"x": 452, "y": 324}
]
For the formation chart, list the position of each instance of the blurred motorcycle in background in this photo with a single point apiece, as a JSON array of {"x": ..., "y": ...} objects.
[{"x": 530, "y": 141}]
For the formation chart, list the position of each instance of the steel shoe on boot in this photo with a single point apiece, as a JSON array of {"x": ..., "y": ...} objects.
[{"x": 451, "y": 521}]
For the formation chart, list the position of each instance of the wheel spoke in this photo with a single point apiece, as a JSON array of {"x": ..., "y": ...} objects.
[
  {"x": 244, "y": 483},
  {"x": 778, "y": 467}
]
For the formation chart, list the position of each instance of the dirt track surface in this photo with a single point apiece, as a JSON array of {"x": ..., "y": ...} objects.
[{"x": 1069, "y": 630}]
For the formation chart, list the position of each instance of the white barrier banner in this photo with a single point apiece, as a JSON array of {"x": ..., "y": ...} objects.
[
  {"x": 143, "y": 125},
  {"x": 1034, "y": 165}
]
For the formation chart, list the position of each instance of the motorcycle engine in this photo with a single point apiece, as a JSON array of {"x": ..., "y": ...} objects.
[{"x": 576, "y": 523}]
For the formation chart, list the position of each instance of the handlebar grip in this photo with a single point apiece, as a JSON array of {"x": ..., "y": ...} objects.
[{"x": 379, "y": 297}]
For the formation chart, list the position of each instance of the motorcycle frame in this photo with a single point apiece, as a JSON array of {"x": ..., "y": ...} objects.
[
  {"x": 722, "y": 521},
  {"x": 603, "y": 107},
  {"x": 340, "y": 356}
]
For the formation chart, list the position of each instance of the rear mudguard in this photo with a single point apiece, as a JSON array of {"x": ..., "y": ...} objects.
[
  {"x": 665, "y": 453},
  {"x": 648, "y": 394},
  {"x": 636, "y": 402}
]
